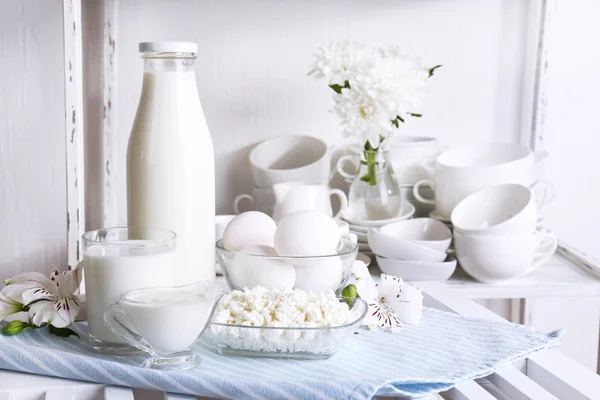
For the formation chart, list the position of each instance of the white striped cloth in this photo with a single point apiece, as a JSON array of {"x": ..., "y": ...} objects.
[{"x": 444, "y": 350}]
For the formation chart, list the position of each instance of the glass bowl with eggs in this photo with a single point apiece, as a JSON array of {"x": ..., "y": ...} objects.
[{"x": 304, "y": 251}]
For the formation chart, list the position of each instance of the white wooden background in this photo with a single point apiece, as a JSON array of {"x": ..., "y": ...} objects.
[{"x": 251, "y": 72}]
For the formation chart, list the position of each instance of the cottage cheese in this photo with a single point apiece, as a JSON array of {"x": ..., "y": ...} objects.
[{"x": 253, "y": 316}]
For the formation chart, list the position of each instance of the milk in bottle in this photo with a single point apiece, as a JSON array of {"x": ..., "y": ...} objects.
[{"x": 170, "y": 159}]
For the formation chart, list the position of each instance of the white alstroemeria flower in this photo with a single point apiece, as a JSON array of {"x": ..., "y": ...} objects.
[
  {"x": 8, "y": 306},
  {"x": 391, "y": 302},
  {"x": 340, "y": 61},
  {"x": 403, "y": 298},
  {"x": 50, "y": 300}
]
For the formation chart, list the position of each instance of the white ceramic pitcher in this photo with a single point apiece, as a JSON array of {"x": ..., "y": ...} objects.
[{"x": 291, "y": 197}]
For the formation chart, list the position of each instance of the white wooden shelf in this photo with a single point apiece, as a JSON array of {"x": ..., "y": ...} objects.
[{"x": 559, "y": 277}]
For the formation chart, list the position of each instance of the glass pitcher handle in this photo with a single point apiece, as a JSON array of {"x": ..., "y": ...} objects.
[{"x": 113, "y": 317}]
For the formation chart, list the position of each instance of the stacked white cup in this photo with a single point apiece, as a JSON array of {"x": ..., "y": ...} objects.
[
  {"x": 288, "y": 158},
  {"x": 496, "y": 236},
  {"x": 462, "y": 171}
]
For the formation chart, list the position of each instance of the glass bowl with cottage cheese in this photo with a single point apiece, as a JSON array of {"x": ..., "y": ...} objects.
[
  {"x": 283, "y": 323},
  {"x": 266, "y": 268}
]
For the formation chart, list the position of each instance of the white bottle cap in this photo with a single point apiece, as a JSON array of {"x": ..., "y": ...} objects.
[{"x": 168, "y": 47}]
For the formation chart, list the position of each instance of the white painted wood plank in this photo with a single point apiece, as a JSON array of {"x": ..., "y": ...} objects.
[
  {"x": 109, "y": 78},
  {"x": 118, "y": 393},
  {"x": 559, "y": 277},
  {"x": 60, "y": 394},
  {"x": 562, "y": 376},
  {"x": 74, "y": 128},
  {"x": 468, "y": 391},
  {"x": 552, "y": 370},
  {"x": 10, "y": 380},
  {"x": 518, "y": 386},
  {"x": 536, "y": 73}
]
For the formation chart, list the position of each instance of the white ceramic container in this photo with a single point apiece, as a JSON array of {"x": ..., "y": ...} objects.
[
  {"x": 465, "y": 170},
  {"x": 262, "y": 200},
  {"x": 426, "y": 232},
  {"x": 501, "y": 209},
  {"x": 418, "y": 270},
  {"x": 291, "y": 197},
  {"x": 407, "y": 154},
  {"x": 290, "y": 158},
  {"x": 497, "y": 258},
  {"x": 386, "y": 245}
]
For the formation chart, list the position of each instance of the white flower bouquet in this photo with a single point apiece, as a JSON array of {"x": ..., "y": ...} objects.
[{"x": 375, "y": 90}]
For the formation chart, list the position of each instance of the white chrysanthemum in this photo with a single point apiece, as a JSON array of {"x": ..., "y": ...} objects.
[
  {"x": 398, "y": 81},
  {"x": 362, "y": 115},
  {"x": 339, "y": 62}
]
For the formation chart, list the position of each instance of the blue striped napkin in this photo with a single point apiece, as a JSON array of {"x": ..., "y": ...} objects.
[{"x": 444, "y": 350}]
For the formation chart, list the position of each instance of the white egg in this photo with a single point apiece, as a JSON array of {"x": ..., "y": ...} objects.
[
  {"x": 247, "y": 270},
  {"x": 320, "y": 275},
  {"x": 247, "y": 229},
  {"x": 306, "y": 233}
]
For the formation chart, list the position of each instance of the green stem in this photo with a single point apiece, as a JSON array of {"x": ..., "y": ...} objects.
[{"x": 371, "y": 162}]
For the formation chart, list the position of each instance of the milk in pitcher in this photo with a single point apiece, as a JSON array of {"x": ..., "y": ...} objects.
[{"x": 170, "y": 159}]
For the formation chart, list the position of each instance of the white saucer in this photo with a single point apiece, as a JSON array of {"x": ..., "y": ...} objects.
[
  {"x": 435, "y": 214},
  {"x": 408, "y": 210},
  {"x": 364, "y": 258}
]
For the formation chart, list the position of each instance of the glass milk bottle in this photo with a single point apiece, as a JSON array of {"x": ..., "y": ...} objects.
[{"x": 170, "y": 159}]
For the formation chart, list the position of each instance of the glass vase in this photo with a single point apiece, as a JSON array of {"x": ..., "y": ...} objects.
[{"x": 374, "y": 193}]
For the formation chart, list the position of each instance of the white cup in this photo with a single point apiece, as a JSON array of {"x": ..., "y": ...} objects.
[
  {"x": 465, "y": 170},
  {"x": 262, "y": 200},
  {"x": 448, "y": 195},
  {"x": 290, "y": 158},
  {"x": 291, "y": 197},
  {"x": 497, "y": 258},
  {"x": 406, "y": 155},
  {"x": 498, "y": 162},
  {"x": 501, "y": 209}
]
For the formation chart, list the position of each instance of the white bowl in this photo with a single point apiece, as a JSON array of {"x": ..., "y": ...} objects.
[
  {"x": 427, "y": 232},
  {"x": 389, "y": 246},
  {"x": 408, "y": 211},
  {"x": 418, "y": 270},
  {"x": 501, "y": 209}
]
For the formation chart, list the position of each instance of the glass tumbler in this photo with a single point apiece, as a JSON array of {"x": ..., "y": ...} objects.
[{"x": 116, "y": 261}]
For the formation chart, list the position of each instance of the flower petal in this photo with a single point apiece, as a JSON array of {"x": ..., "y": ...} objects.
[
  {"x": 361, "y": 278},
  {"x": 404, "y": 299},
  {"x": 41, "y": 312},
  {"x": 67, "y": 282},
  {"x": 30, "y": 278},
  {"x": 8, "y": 306},
  {"x": 66, "y": 309},
  {"x": 36, "y": 293}
]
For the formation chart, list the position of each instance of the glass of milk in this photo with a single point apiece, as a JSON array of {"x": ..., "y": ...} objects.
[
  {"x": 116, "y": 261},
  {"x": 165, "y": 322}
]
